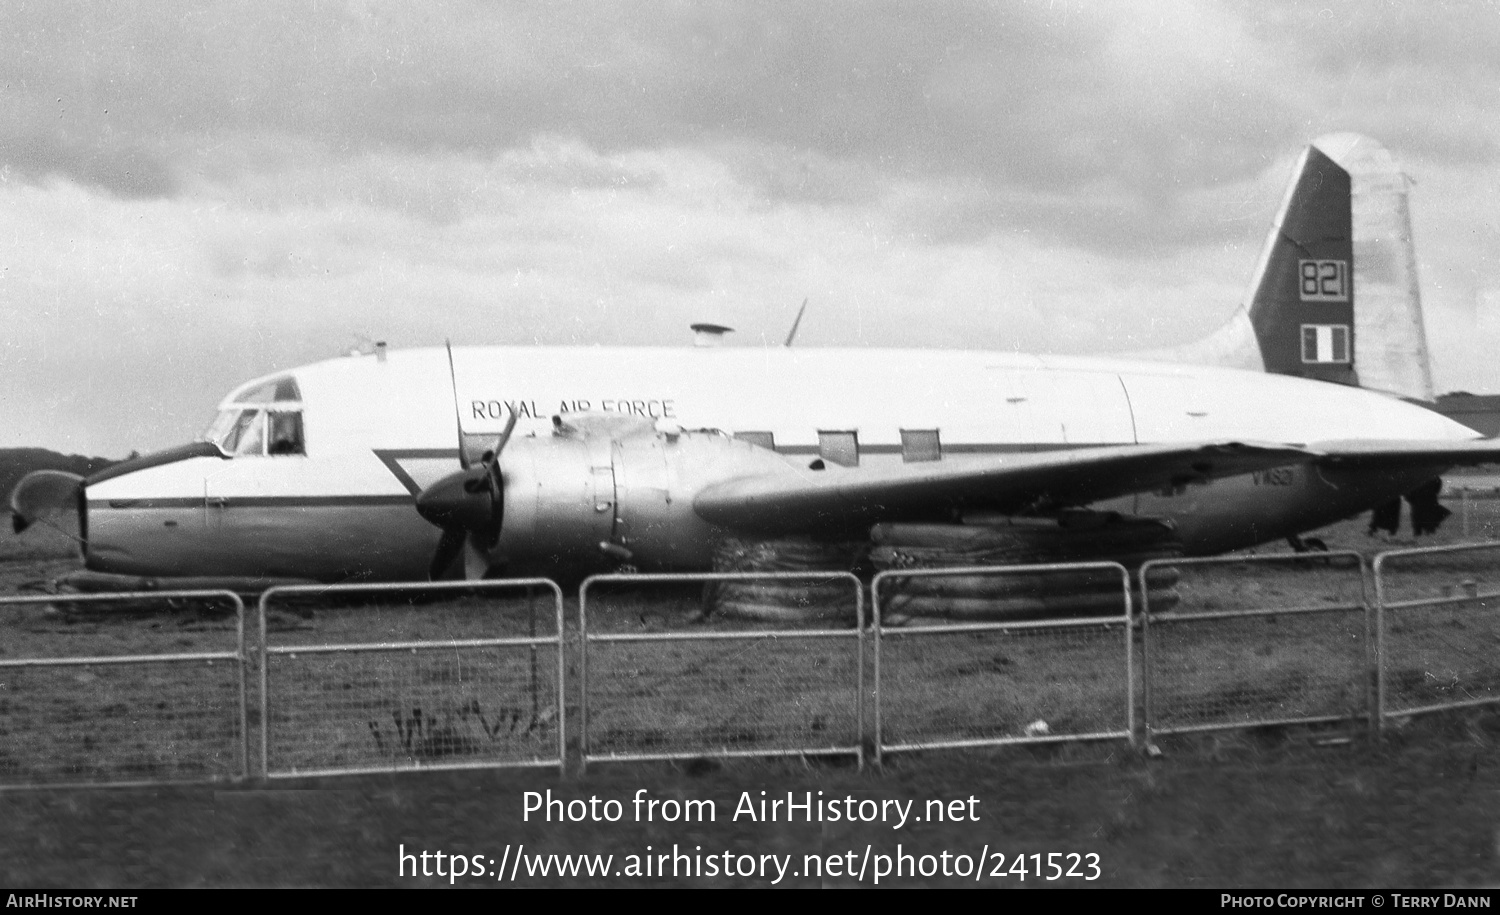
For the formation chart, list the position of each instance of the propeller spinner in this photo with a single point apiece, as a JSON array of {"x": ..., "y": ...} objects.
[{"x": 470, "y": 502}]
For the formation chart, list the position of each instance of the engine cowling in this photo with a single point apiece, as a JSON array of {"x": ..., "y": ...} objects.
[{"x": 595, "y": 501}]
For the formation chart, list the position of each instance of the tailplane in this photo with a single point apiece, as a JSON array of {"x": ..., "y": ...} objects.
[{"x": 1334, "y": 296}]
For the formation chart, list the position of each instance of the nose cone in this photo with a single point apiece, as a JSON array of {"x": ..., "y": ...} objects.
[
  {"x": 458, "y": 500},
  {"x": 42, "y": 495}
]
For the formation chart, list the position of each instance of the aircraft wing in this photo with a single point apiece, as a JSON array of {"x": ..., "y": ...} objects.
[
  {"x": 1377, "y": 453},
  {"x": 809, "y": 500}
]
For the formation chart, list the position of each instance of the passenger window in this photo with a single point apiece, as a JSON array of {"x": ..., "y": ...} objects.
[
  {"x": 839, "y": 447},
  {"x": 920, "y": 445},
  {"x": 765, "y": 440},
  {"x": 286, "y": 433}
]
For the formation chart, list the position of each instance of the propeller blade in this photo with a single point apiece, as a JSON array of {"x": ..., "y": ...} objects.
[
  {"x": 469, "y": 505},
  {"x": 458, "y": 419},
  {"x": 510, "y": 426},
  {"x": 448, "y": 549},
  {"x": 495, "y": 481},
  {"x": 480, "y": 564}
]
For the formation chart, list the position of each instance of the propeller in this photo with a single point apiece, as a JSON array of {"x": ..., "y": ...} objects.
[{"x": 469, "y": 502}]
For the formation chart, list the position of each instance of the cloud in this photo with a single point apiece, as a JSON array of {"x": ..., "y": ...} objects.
[
  {"x": 1013, "y": 90},
  {"x": 126, "y": 171},
  {"x": 148, "y": 310},
  {"x": 197, "y": 194}
]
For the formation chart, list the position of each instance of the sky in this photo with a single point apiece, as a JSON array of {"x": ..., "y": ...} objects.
[{"x": 192, "y": 195}]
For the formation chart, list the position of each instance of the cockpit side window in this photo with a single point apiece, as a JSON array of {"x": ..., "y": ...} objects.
[
  {"x": 248, "y": 434},
  {"x": 286, "y": 433}
]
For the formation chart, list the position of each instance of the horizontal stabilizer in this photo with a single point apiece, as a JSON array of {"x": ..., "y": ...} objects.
[{"x": 1371, "y": 453}]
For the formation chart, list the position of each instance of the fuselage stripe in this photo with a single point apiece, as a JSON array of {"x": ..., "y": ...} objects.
[{"x": 250, "y": 502}]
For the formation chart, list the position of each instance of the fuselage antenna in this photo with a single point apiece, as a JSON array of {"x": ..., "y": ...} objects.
[{"x": 795, "y": 324}]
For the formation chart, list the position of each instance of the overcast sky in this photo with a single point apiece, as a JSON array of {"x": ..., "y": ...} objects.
[{"x": 194, "y": 194}]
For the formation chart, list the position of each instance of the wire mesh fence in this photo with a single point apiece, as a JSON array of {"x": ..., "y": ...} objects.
[
  {"x": 1439, "y": 628},
  {"x": 161, "y": 687},
  {"x": 662, "y": 679},
  {"x": 991, "y": 683},
  {"x": 377, "y": 678},
  {"x": 1476, "y": 509},
  {"x": 1255, "y": 641},
  {"x": 122, "y": 689}
]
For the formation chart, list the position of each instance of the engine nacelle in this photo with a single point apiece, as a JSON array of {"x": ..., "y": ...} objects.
[{"x": 592, "y": 501}]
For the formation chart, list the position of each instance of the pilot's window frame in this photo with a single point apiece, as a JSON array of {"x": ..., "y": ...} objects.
[
  {"x": 920, "y": 446},
  {"x": 264, "y": 420},
  {"x": 1338, "y": 344},
  {"x": 258, "y": 431},
  {"x": 839, "y": 446}
]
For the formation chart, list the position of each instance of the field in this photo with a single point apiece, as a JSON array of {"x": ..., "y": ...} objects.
[{"x": 1314, "y": 805}]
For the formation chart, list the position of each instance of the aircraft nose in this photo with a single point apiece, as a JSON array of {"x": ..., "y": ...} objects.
[
  {"x": 48, "y": 497},
  {"x": 42, "y": 495},
  {"x": 457, "y": 500}
]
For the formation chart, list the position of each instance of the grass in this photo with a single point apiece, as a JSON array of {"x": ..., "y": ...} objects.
[
  {"x": 1259, "y": 809},
  {"x": 1278, "y": 806}
]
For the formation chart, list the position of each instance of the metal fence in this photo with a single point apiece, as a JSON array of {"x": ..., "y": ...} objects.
[
  {"x": 1438, "y": 628},
  {"x": 676, "y": 684},
  {"x": 1477, "y": 510},
  {"x": 1288, "y": 645},
  {"x": 129, "y": 717},
  {"x": 352, "y": 681},
  {"x": 968, "y": 684},
  {"x": 379, "y": 678}
]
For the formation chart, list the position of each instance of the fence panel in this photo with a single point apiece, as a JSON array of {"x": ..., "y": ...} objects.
[
  {"x": 122, "y": 689},
  {"x": 425, "y": 675},
  {"x": 1476, "y": 504},
  {"x": 1438, "y": 628},
  {"x": 992, "y": 683},
  {"x": 674, "y": 684},
  {"x": 1257, "y": 640}
]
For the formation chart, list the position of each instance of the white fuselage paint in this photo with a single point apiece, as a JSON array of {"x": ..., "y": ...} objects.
[{"x": 344, "y": 510}]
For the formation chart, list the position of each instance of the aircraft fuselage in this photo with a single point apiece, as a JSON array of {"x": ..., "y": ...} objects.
[{"x": 373, "y": 432}]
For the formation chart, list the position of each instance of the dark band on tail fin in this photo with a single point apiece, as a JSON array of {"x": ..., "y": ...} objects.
[{"x": 1302, "y": 306}]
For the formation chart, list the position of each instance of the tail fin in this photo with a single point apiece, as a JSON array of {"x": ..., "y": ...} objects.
[
  {"x": 1302, "y": 296},
  {"x": 1341, "y": 239}
]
